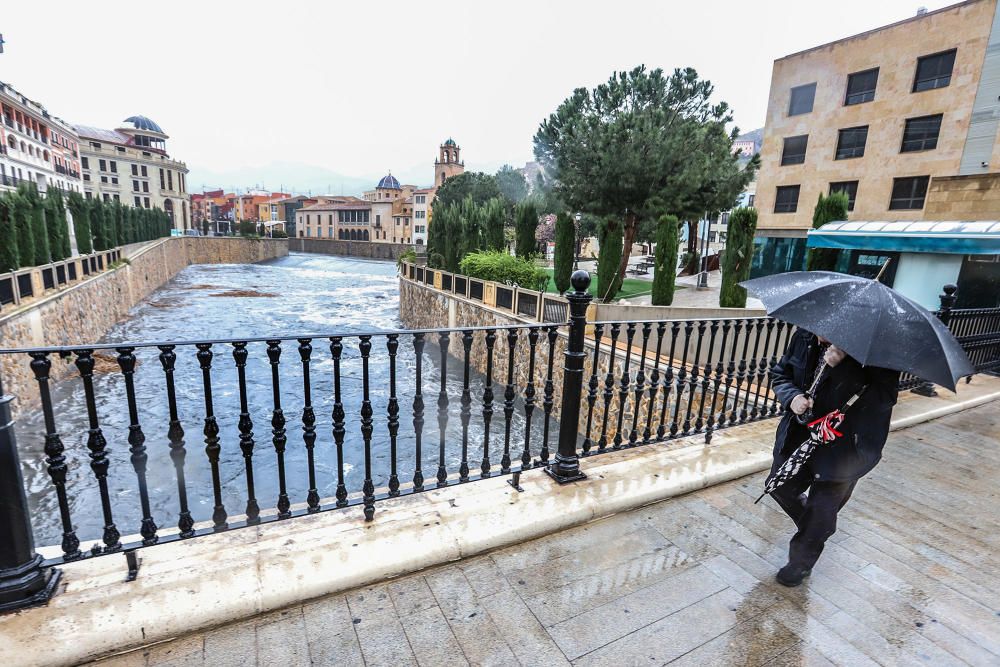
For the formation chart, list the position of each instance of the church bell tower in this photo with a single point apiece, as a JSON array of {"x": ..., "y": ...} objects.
[{"x": 449, "y": 162}]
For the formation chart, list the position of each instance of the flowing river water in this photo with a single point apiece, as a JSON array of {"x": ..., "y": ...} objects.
[{"x": 297, "y": 295}]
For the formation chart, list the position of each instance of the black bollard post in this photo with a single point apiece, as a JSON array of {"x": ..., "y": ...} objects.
[
  {"x": 23, "y": 580},
  {"x": 947, "y": 299},
  {"x": 566, "y": 466}
]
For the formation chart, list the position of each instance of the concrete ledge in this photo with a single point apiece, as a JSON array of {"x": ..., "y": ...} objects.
[{"x": 191, "y": 586}]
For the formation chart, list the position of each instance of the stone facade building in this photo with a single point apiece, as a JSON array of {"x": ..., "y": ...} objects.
[
  {"x": 130, "y": 164},
  {"x": 35, "y": 146},
  {"x": 903, "y": 118}
]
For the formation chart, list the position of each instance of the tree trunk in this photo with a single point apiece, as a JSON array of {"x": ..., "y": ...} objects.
[
  {"x": 629, "y": 228},
  {"x": 692, "y": 236}
]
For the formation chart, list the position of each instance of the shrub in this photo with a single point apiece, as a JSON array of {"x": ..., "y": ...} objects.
[
  {"x": 275, "y": 234},
  {"x": 739, "y": 253},
  {"x": 665, "y": 264},
  {"x": 503, "y": 268},
  {"x": 248, "y": 228},
  {"x": 410, "y": 255},
  {"x": 609, "y": 257},
  {"x": 691, "y": 261},
  {"x": 828, "y": 209},
  {"x": 562, "y": 265}
]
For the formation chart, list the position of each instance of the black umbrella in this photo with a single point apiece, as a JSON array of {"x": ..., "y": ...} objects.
[{"x": 871, "y": 322}]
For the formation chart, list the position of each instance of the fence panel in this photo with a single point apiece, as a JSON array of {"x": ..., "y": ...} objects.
[
  {"x": 476, "y": 289},
  {"x": 527, "y": 303},
  {"x": 505, "y": 297},
  {"x": 554, "y": 310}
]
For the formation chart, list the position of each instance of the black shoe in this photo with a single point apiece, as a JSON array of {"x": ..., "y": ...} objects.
[{"x": 792, "y": 575}]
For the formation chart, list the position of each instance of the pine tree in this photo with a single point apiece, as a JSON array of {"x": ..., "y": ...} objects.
[
  {"x": 665, "y": 266},
  {"x": 8, "y": 236},
  {"x": 565, "y": 242},
  {"x": 738, "y": 256},
  {"x": 828, "y": 209},
  {"x": 525, "y": 223},
  {"x": 81, "y": 223},
  {"x": 21, "y": 212},
  {"x": 609, "y": 256}
]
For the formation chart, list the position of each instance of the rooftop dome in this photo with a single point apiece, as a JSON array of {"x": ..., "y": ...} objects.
[
  {"x": 450, "y": 142},
  {"x": 389, "y": 182},
  {"x": 143, "y": 123}
]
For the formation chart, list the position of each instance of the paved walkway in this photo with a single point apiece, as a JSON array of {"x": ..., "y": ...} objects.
[{"x": 911, "y": 577}]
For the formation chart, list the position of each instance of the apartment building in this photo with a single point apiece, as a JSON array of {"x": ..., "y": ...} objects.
[{"x": 904, "y": 119}]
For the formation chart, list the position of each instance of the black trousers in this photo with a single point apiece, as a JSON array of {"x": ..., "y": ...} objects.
[{"x": 813, "y": 506}]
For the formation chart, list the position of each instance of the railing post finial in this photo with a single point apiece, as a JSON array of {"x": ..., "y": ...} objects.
[
  {"x": 947, "y": 298},
  {"x": 23, "y": 580},
  {"x": 566, "y": 466}
]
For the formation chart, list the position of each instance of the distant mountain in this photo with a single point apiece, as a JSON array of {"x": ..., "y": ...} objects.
[
  {"x": 756, "y": 136},
  {"x": 296, "y": 177}
]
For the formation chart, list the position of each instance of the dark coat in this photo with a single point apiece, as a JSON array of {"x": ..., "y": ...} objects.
[{"x": 866, "y": 424}]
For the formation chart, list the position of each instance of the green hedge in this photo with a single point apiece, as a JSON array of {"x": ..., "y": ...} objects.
[{"x": 503, "y": 268}]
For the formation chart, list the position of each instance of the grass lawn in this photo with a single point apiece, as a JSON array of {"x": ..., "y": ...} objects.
[{"x": 630, "y": 287}]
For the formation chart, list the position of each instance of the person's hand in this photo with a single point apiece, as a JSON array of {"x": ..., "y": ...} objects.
[
  {"x": 834, "y": 355},
  {"x": 800, "y": 404}
]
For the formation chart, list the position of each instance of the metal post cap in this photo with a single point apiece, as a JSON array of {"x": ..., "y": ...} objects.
[
  {"x": 950, "y": 289},
  {"x": 580, "y": 280}
]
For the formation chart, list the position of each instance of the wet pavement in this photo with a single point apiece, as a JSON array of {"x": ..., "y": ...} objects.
[{"x": 909, "y": 578}]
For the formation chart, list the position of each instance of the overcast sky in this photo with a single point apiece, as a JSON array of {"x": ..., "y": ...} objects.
[{"x": 359, "y": 88}]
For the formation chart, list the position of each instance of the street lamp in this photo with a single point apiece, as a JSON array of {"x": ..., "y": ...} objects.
[
  {"x": 576, "y": 239},
  {"x": 703, "y": 274}
]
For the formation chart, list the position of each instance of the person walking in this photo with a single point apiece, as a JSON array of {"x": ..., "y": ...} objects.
[{"x": 815, "y": 377}]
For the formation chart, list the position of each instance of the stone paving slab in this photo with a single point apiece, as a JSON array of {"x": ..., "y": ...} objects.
[{"x": 686, "y": 581}]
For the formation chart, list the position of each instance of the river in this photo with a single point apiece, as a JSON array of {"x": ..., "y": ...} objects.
[{"x": 297, "y": 295}]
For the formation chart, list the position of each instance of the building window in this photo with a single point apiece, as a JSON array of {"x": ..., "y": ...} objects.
[
  {"x": 786, "y": 199},
  {"x": 170, "y": 180},
  {"x": 921, "y": 134},
  {"x": 851, "y": 142},
  {"x": 114, "y": 167},
  {"x": 106, "y": 196},
  {"x": 103, "y": 165},
  {"x": 135, "y": 186},
  {"x": 802, "y": 99},
  {"x": 861, "y": 87},
  {"x": 849, "y": 188},
  {"x": 114, "y": 180},
  {"x": 145, "y": 186},
  {"x": 117, "y": 198},
  {"x": 934, "y": 71},
  {"x": 144, "y": 172},
  {"x": 135, "y": 170},
  {"x": 138, "y": 202},
  {"x": 104, "y": 179},
  {"x": 85, "y": 162},
  {"x": 794, "y": 151},
  {"x": 145, "y": 201},
  {"x": 908, "y": 193},
  {"x": 86, "y": 177}
]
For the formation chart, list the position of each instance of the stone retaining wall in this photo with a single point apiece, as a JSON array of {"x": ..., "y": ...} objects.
[
  {"x": 84, "y": 312},
  {"x": 366, "y": 249}
]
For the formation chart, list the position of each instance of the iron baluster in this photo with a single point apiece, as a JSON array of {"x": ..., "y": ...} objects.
[
  {"x": 466, "y": 414},
  {"x": 592, "y": 386},
  {"x": 719, "y": 370},
  {"x": 211, "y": 431},
  {"x": 693, "y": 379},
  {"x": 772, "y": 403},
  {"x": 741, "y": 373},
  {"x": 762, "y": 371},
  {"x": 485, "y": 465},
  {"x": 418, "y": 413},
  {"x": 368, "y": 488},
  {"x": 278, "y": 436},
  {"x": 654, "y": 383},
  {"x": 731, "y": 375},
  {"x": 96, "y": 443},
  {"x": 609, "y": 387},
  {"x": 668, "y": 384},
  {"x": 175, "y": 434},
  {"x": 442, "y": 473},
  {"x": 751, "y": 372},
  {"x": 624, "y": 384},
  {"x": 508, "y": 400},
  {"x": 547, "y": 400},
  {"x": 706, "y": 376},
  {"x": 137, "y": 444},
  {"x": 682, "y": 377},
  {"x": 529, "y": 397},
  {"x": 336, "y": 352},
  {"x": 640, "y": 385},
  {"x": 392, "y": 345},
  {"x": 308, "y": 424},
  {"x": 240, "y": 356}
]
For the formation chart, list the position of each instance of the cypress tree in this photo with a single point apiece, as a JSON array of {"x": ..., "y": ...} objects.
[
  {"x": 21, "y": 212},
  {"x": 471, "y": 234},
  {"x": 611, "y": 238},
  {"x": 8, "y": 236},
  {"x": 36, "y": 211},
  {"x": 97, "y": 224},
  {"x": 81, "y": 223},
  {"x": 738, "y": 256},
  {"x": 493, "y": 214},
  {"x": 665, "y": 263},
  {"x": 828, "y": 209},
  {"x": 54, "y": 221},
  {"x": 565, "y": 240},
  {"x": 525, "y": 223}
]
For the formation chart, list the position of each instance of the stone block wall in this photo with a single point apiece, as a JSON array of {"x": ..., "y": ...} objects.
[
  {"x": 973, "y": 197},
  {"x": 365, "y": 249},
  {"x": 84, "y": 312}
]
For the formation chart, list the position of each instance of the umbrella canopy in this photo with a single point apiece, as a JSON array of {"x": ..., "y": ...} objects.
[{"x": 873, "y": 323}]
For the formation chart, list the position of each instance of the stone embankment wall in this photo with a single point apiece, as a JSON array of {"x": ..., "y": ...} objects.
[
  {"x": 366, "y": 249},
  {"x": 84, "y": 312},
  {"x": 423, "y": 307}
]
